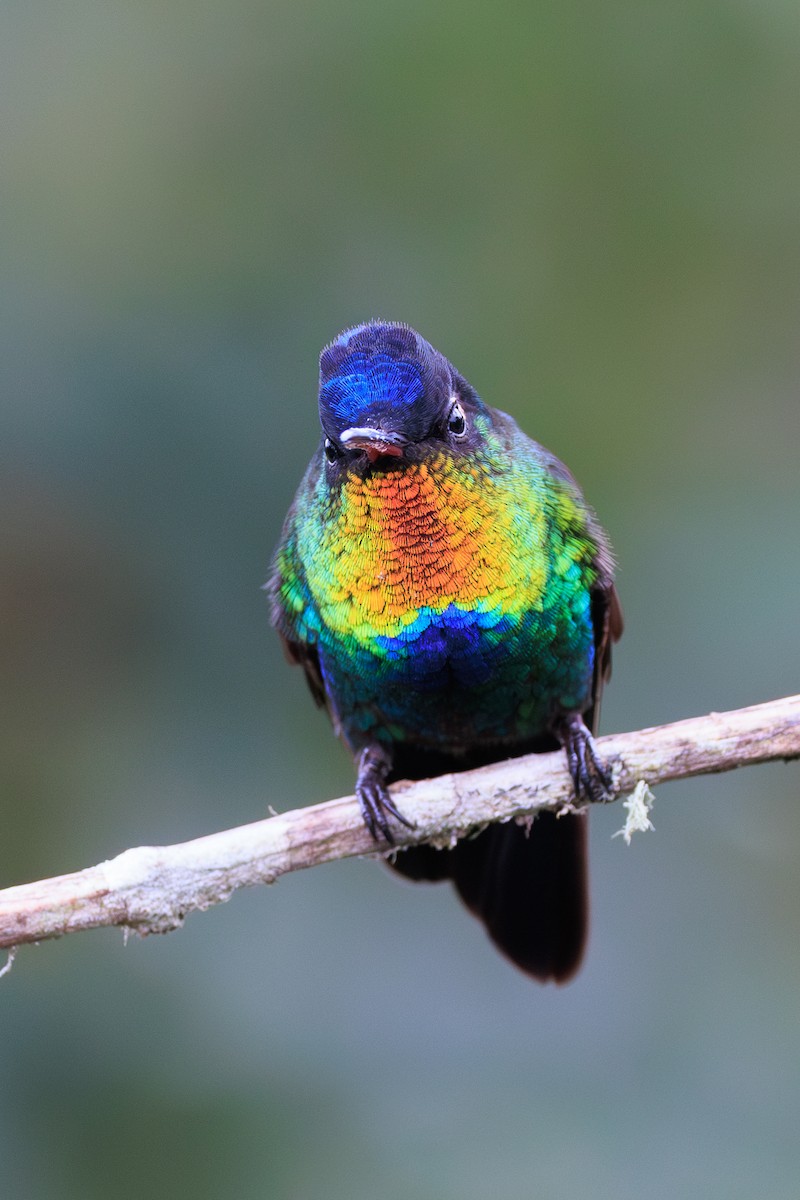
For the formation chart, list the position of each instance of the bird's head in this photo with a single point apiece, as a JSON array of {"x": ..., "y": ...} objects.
[{"x": 386, "y": 395}]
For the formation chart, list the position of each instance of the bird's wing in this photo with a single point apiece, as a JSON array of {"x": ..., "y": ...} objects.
[
  {"x": 608, "y": 625},
  {"x": 606, "y": 610},
  {"x": 290, "y": 597},
  {"x": 306, "y": 656}
]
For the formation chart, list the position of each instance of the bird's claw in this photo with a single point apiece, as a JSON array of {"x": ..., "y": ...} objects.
[
  {"x": 591, "y": 776},
  {"x": 373, "y": 796}
]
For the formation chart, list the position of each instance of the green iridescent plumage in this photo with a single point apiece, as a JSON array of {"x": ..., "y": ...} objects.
[
  {"x": 463, "y": 579},
  {"x": 440, "y": 576}
]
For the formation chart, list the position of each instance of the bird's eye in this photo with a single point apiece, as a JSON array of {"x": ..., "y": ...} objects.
[
  {"x": 331, "y": 450},
  {"x": 456, "y": 421}
]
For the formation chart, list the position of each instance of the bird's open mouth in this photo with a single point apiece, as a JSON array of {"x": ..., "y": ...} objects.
[{"x": 376, "y": 443}]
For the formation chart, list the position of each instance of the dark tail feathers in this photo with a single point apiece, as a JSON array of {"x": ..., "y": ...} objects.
[{"x": 529, "y": 889}]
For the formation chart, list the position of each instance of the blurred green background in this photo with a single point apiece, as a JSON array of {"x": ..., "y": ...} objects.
[{"x": 595, "y": 212}]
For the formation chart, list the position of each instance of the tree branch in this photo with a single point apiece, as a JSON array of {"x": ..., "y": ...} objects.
[{"x": 151, "y": 889}]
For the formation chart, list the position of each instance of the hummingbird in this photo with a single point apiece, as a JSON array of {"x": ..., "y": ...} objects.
[{"x": 450, "y": 597}]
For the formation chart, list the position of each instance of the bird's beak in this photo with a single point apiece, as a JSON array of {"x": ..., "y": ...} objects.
[{"x": 376, "y": 443}]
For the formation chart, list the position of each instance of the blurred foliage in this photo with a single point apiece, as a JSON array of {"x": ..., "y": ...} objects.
[{"x": 595, "y": 212}]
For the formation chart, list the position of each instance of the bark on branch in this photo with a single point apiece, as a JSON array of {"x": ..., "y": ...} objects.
[{"x": 151, "y": 889}]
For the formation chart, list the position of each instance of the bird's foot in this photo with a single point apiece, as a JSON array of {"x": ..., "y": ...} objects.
[
  {"x": 591, "y": 776},
  {"x": 374, "y": 764}
]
